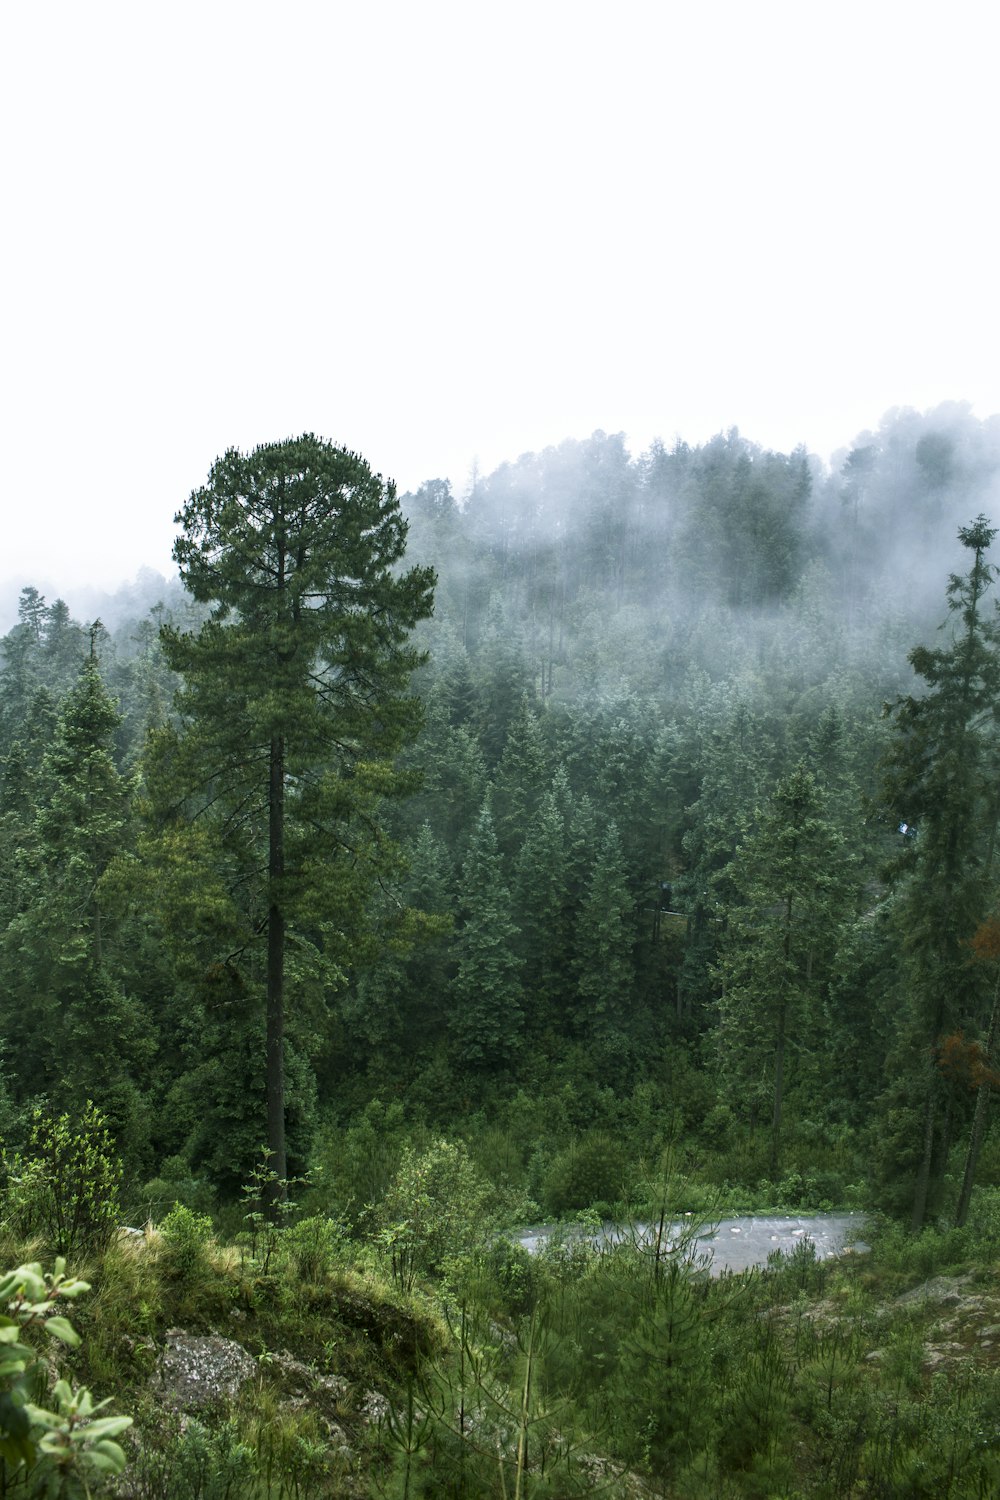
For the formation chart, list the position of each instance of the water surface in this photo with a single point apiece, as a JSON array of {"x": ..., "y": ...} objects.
[{"x": 737, "y": 1244}]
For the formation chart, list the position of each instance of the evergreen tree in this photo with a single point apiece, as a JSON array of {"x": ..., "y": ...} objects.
[
  {"x": 605, "y": 974},
  {"x": 17, "y": 812},
  {"x": 584, "y": 837},
  {"x": 664, "y": 1376},
  {"x": 39, "y": 725},
  {"x": 741, "y": 538},
  {"x": 451, "y": 685},
  {"x": 543, "y": 912},
  {"x": 520, "y": 779},
  {"x": 503, "y": 678},
  {"x": 487, "y": 1008},
  {"x": 941, "y": 779},
  {"x": 981, "y": 1058},
  {"x": 64, "y": 639},
  {"x": 54, "y": 949},
  {"x": 448, "y": 768},
  {"x": 862, "y": 1013},
  {"x": 31, "y": 613},
  {"x": 792, "y": 876},
  {"x": 733, "y": 763},
  {"x": 83, "y": 797},
  {"x": 614, "y": 756},
  {"x": 294, "y": 702},
  {"x": 19, "y": 665},
  {"x": 394, "y": 1008},
  {"x": 188, "y": 943}
]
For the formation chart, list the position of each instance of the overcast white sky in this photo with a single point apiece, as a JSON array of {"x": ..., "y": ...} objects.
[{"x": 443, "y": 232}]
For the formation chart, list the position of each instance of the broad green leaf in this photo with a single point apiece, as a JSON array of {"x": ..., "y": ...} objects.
[
  {"x": 107, "y": 1456},
  {"x": 61, "y": 1328},
  {"x": 74, "y": 1288},
  {"x": 40, "y": 1417},
  {"x": 106, "y": 1427}
]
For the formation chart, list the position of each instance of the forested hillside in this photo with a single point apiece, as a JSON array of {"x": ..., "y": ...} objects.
[{"x": 659, "y": 864}]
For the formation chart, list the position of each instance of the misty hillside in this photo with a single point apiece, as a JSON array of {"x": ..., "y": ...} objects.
[
  {"x": 647, "y": 868},
  {"x": 627, "y": 659},
  {"x": 723, "y": 530}
]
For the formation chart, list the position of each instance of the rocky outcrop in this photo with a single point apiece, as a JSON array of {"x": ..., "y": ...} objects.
[
  {"x": 198, "y": 1371},
  {"x": 946, "y": 1291}
]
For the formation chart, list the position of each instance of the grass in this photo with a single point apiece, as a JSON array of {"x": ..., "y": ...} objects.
[{"x": 853, "y": 1382}]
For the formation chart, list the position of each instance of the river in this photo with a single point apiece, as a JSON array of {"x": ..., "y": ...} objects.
[{"x": 737, "y": 1244}]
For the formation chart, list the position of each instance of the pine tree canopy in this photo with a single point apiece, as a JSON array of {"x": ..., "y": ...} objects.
[{"x": 295, "y": 697}]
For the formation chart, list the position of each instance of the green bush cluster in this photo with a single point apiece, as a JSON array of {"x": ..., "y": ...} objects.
[
  {"x": 313, "y": 1247},
  {"x": 436, "y": 1212},
  {"x": 530, "y": 1375},
  {"x": 350, "y": 1169},
  {"x": 68, "y": 1444},
  {"x": 811, "y": 1190},
  {"x": 184, "y": 1241},
  {"x": 175, "y": 1183},
  {"x": 63, "y": 1186},
  {"x": 687, "y": 1386},
  {"x": 588, "y": 1173}
]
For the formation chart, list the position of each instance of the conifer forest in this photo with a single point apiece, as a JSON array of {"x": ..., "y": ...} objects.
[{"x": 612, "y": 843}]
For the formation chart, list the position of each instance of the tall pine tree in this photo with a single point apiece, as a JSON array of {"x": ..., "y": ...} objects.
[
  {"x": 487, "y": 1012},
  {"x": 941, "y": 779},
  {"x": 294, "y": 702},
  {"x": 792, "y": 878}
]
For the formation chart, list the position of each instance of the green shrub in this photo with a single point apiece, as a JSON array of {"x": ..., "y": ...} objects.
[
  {"x": 916, "y": 1257},
  {"x": 185, "y": 1237},
  {"x": 66, "y": 1440},
  {"x": 589, "y": 1173},
  {"x": 508, "y": 1276},
  {"x": 437, "y": 1212},
  {"x": 351, "y": 1169},
  {"x": 718, "y": 1127},
  {"x": 497, "y": 1155},
  {"x": 314, "y": 1246},
  {"x": 196, "y": 1463},
  {"x": 983, "y": 1227},
  {"x": 175, "y": 1183},
  {"x": 64, "y": 1185},
  {"x": 268, "y": 1210},
  {"x": 809, "y": 1190},
  {"x": 798, "y": 1270}
]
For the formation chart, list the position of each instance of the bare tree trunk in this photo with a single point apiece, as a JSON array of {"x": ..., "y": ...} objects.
[{"x": 276, "y": 967}]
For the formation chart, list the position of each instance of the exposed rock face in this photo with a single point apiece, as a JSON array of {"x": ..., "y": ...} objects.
[
  {"x": 961, "y": 1324},
  {"x": 944, "y": 1290},
  {"x": 956, "y": 1316},
  {"x": 324, "y": 1394},
  {"x": 197, "y": 1372},
  {"x": 374, "y": 1407},
  {"x": 300, "y": 1380}
]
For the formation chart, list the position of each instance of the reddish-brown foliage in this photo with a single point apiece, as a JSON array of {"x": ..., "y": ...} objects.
[
  {"x": 965, "y": 1062},
  {"x": 985, "y": 941}
]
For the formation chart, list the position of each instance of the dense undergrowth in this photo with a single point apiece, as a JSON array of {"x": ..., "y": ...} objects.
[{"x": 406, "y": 1346}]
